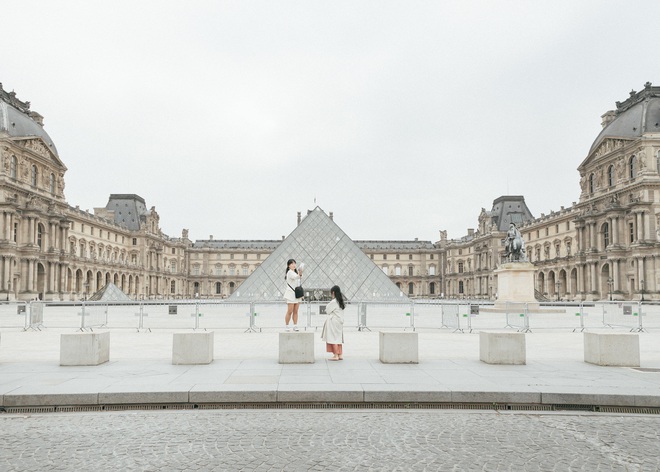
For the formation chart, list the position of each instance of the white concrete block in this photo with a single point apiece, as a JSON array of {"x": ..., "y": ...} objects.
[
  {"x": 296, "y": 348},
  {"x": 192, "y": 348},
  {"x": 85, "y": 348},
  {"x": 497, "y": 347},
  {"x": 615, "y": 349},
  {"x": 398, "y": 348}
]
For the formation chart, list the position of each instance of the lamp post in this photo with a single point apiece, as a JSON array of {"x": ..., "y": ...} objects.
[
  {"x": 642, "y": 285},
  {"x": 86, "y": 285},
  {"x": 8, "y": 289},
  {"x": 610, "y": 286},
  {"x": 557, "y": 285}
]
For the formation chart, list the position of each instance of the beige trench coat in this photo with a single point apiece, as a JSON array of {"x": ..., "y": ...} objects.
[{"x": 333, "y": 329}]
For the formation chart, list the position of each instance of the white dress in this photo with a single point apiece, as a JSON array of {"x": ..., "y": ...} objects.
[{"x": 292, "y": 280}]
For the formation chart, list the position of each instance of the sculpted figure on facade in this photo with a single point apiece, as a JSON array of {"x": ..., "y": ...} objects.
[
  {"x": 583, "y": 183},
  {"x": 620, "y": 169},
  {"x": 599, "y": 177},
  {"x": 641, "y": 160}
]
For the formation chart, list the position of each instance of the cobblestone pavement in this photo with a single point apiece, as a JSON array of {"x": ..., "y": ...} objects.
[{"x": 328, "y": 440}]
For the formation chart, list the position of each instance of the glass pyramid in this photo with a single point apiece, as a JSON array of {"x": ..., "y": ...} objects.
[
  {"x": 109, "y": 293},
  {"x": 330, "y": 258}
]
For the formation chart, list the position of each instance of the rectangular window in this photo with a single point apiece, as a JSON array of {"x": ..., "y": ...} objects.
[
  {"x": 398, "y": 256},
  {"x": 245, "y": 271},
  {"x": 91, "y": 230},
  {"x": 384, "y": 257},
  {"x": 547, "y": 231},
  {"x": 557, "y": 229},
  {"x": 15, "y": 232},
  {"x": 410, "y": 257},
  {"x": 231, "y": 256},
  {"x": 432, "y": 256},
  {"x": 631, "y": 226},
  {"x": 410, "y": 271},
  {"x": 568, "y": 225},
  {"x": 245, "y": 257},
  {"x": 134, "y": 241}
]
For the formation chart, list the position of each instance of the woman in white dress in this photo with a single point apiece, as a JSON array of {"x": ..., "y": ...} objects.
[
  {"x": 292, "y": 277},
  {"x": 333, "y": 329}
]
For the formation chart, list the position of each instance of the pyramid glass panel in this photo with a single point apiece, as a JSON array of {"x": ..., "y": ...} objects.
[{"x": 330, "y": 258}]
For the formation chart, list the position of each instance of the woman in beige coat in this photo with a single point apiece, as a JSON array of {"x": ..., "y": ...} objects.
[{"x": 333, "y": 329}]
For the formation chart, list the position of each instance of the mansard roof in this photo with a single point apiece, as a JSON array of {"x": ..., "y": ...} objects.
[
  {"x": 637, "y": 115},
  {"x": 128, "y": 209},
  {"x": 510, "y": 209},
  {"x": 18, "y": 121}
]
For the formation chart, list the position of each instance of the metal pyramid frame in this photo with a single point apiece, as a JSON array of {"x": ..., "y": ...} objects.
[{"x": 330, "y": 258}]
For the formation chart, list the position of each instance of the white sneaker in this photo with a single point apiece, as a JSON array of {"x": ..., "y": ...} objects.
[
  {"x": 288, "y": 329},
  {"x": 295, "y": 328}
]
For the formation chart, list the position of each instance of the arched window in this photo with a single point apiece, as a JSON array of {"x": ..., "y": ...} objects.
[
  {"x": 173, "y": 265},
  {"x": 33, "y": 176},
  {"x": 51, "y": 183},
  {"x": 591, "y": 183},
  {"x": 232, "y": 285},
  {"x": 13, "y": 164},
  {"x": 218, "y": 288},
  {"x": 631, "y": 167},
  {"x": 610, "y": 176},
  {"x": 432, "y": 288},
  {"x": 173, "y": 287},
  {"x": 411, "y": 287},
  {"x": 606, "y": 234},
  {"x": 410, "y": 271},
  {"x": 196, "y": 288},
  {"x": 460, "y": 286}
]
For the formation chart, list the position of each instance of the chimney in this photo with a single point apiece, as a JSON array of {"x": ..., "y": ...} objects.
[
  {"x": 607, "y": 117},
  {"x": 470, "y": 231},
  {"x": 211, "y": 237},
  {"x": 298, "y": 219},
  {"x": 332, "y": 217}
]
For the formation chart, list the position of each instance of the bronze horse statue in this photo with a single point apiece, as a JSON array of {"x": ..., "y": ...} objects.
[{"x": 514, "y": 245}]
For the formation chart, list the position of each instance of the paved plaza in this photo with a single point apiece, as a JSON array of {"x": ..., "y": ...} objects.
[
  {"x": 308, "y": 440},
  {"x": 356, "y": 414},
  {"x": 246, "y": 369}
]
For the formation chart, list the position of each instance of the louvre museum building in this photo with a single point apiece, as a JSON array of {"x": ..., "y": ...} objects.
[{"x": 603, "y": 247}]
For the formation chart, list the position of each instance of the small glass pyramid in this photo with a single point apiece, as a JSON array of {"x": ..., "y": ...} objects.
[
  {"x": 330, "y": 258},
  {"x": 109, "y": 293}
]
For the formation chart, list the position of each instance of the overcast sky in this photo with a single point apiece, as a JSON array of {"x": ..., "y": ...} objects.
[{"x": 403, "y": 118}]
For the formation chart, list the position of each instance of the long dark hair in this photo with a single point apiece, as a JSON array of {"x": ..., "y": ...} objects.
[
  {"x": 288, "y": 263},
  {"x": 338, "y": 296}
]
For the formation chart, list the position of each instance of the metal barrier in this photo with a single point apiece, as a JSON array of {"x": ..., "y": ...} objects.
[
  {"x": 623, "y": 315},
  {"x": 458, "y": 316},
  {"x": 517, "y": 316}
]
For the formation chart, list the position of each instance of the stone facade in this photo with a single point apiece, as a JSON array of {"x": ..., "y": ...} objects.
[{"x": 604, "y": 246}]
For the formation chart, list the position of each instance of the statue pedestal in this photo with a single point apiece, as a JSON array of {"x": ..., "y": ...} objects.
[{"x": 515, "y": 284}]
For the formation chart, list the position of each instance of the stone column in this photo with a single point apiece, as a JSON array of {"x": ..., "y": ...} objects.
[
  {"x": 647, "y": 226},
  {"x": 615, "y": 230},
  {"x": 593, "y": 277},
  {"x": 638, "y": 222},
  {"x": 615, "y": 274},
  {"x": 8, "y": 226}
]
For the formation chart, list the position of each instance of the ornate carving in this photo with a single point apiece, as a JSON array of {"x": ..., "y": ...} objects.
[
  {"x": 620, "y": 168},
  {"x": 608, "y": 146},
  {"x": 641, "y": 160},
  {"x": 37, "y": 146},
  {"x": 599, "y": 177}
]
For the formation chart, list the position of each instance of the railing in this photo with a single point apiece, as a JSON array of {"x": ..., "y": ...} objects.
[{"x": 451, "y": 315}]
